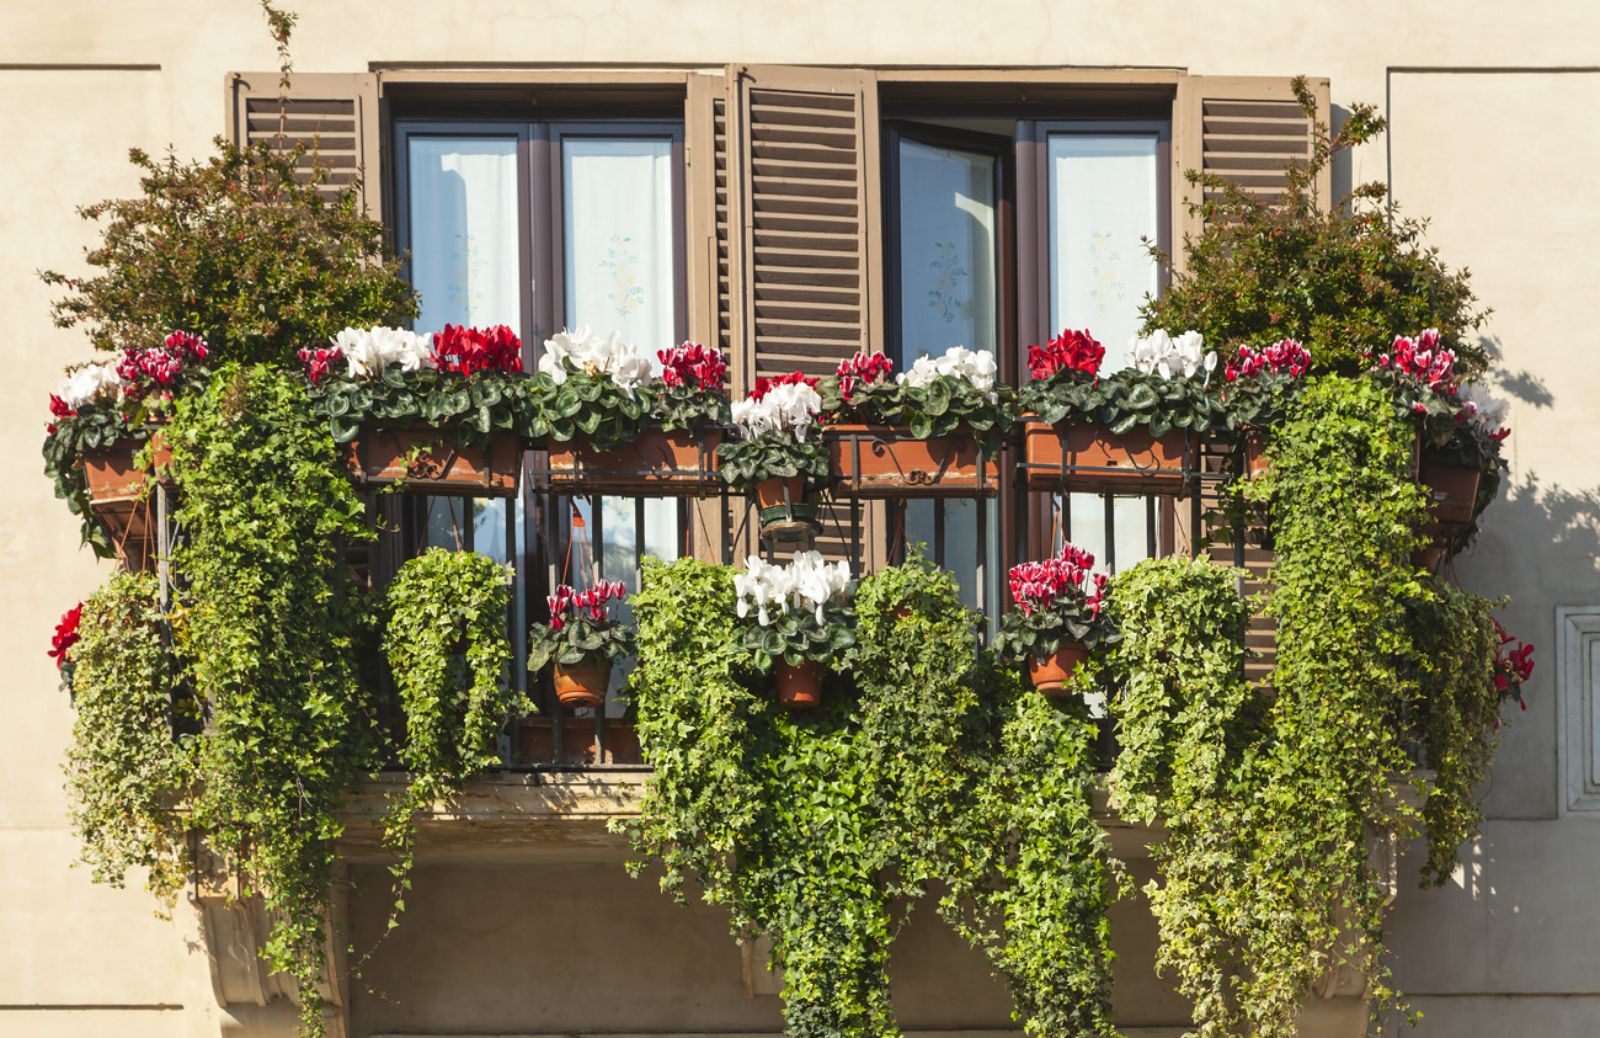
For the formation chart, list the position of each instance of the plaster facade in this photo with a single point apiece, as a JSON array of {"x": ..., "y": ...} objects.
[{"x": 1492, "y": 112}]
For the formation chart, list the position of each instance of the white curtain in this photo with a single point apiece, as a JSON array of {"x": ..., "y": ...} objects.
[
  {"x": 464, "y": 229},
  {"x": 1103, "y": 205},
  {"x": 618, "y": 251}
]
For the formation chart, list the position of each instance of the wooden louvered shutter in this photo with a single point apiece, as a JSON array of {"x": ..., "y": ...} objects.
[
  {"x": 805, "y": 140},
  {"x": 334, "y": 115},
  {"x": 1244, "y": 129}
]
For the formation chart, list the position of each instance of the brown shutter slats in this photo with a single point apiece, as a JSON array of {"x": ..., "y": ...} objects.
[{"x": 333, "y": 116}]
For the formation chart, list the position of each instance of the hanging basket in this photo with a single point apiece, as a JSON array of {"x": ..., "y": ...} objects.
[
  {"x": 1092, "y": 459},
  {"x": 657, "y": 464},
  {"x": 1051, "y": 673},
  {"x": 799, "y": 688},
  {"x": 788, "y": 516},
  {"x": 118, "y": 498},
  {"x": 583, "y": 684},
  {"x": 425, "y": 460},
  {"x": 1253, "y": 447},
  {"x": 886, "y": 461},
  {"x": 1452, "y": 491}
]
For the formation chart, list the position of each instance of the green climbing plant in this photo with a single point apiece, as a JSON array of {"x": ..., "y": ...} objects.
[
  {"x": 448, "y": 652},
  {"x": 272, "y": 631},
  {"x": 129, "y": 774}
]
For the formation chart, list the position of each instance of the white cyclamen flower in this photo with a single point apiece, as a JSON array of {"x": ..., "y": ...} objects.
[
  {"x": 792, "y": 408},
  {"x": 974, "y": 366},
  {"x": 806, "y": 583},
  {"x": 1160, "y": 353},
  {"x": 369, "y": 352},
  {"x": 1485, "y": 410},
  {"x": 89, "y": 383},
  {"x": 586, "y": 351}
]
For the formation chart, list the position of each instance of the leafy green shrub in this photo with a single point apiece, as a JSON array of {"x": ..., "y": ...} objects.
[
  {"x": 237, "y": 249},
  {"x": 1343, "y": 281},
  {"x": 271, "y": 638},
  {"x": 128, "y": 773}
]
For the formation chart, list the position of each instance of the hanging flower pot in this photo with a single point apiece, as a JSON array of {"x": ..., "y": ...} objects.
[
  {"x": 785, "y": 510},
  {"x": 1253, "y": 448},
  {"x": 799, "y": 688},
  {"x": 1452, "y": 489},
  {"x": 777, "y": 455},
  {"x": 118, "y": 497},
  {"x": 1051, "y": 673},
  {"x": 422, "y": 459},
  {"x": 658, "y": 463},
  {"x": 886, "y": 461},
  {"x": 583, "y": 684}
]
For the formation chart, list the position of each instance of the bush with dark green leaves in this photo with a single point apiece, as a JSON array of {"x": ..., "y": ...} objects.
[
  {"x": 1344, "y": 279},
  {"x": 241, "y": 248}
]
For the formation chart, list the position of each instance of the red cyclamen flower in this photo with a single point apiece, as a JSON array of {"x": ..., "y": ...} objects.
[
  {"x": 318, "y": 361},
  {"x": 694, "y": 364},
  {"x": 862, "y": 369},
  {"x": 66, "y": 635},
  {"x": 465, "y": 351},
  {"x": 765, "y": 385},
  {"x": 1422, "y": 361},
  {"x": 1069, "y": 351},
  {"x": 1035, "y": 586},
  {"x": 568, "y": 599},
  {"x": 153, "y": 367},
  {"x": 1284, "y": 357}
]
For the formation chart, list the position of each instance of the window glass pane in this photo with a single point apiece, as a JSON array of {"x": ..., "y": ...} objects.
[
  {"x": 464, "y": 228},
  {"x": 1102, "y": 205},
  {"x": 948, "y": 278},
  {"x": 947, "y": 249},
  {"x": 617, "y": 208}
]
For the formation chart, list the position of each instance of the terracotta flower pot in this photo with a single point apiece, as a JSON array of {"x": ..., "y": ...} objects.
[
  {"x": 1051, "y": 673},
  {"x": 118, "y": 499},
  {"x": 799, "y": 688},
  {"x": 428, "y": 460},
  {"x": 584, "y": 683},
  {"x": 785, "y": 511},
  {"x": 657, "y": 464},
  {"x": 1452, "y": 488},
  {"x": 886, "y": 461},
  {"x": 1092, "y": 459},
  {"x": 1254, "y": 448}
]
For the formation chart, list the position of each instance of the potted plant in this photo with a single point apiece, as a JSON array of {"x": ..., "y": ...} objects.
[
  {"x": 797, "y": 622},
  {"x": 1257, "y": 388},
  {"x": 932, "y": 430},
  {"x": 1513, "y": 665},
  {"x": 613, "y": 427},
  {"x": 104, "y": 440},
  {"x": 1059, "y": 617},
  {"x": 1459, "y": 432},
  {"x": 1134, "y": 431},
  {"x": 777, "y": 454},
  {"x": 580, "y": 642},
  {"x": 441, "y": 414}
]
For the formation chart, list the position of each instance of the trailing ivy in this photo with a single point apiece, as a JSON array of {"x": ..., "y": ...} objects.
[
  {"x": 448, "y": 652},
  {"x": 1188, "y": 727},
  {"x": 816, "y": 828},
  {"x": 273, "y": 632},
  {"x": 129, "y": 774}
]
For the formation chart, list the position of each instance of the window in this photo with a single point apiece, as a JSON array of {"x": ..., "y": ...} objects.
[{"x": 540, "y": 226}]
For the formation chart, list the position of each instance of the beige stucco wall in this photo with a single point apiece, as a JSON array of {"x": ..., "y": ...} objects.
[{"x": 1502, "y": 161}]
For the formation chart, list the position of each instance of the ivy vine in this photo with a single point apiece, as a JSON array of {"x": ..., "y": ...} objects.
[
  {"x": 448, "y": 652},
  {"x": 271, "y": 635}
]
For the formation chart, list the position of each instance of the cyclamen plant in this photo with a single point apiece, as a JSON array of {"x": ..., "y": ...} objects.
[
  {"x": 693, "y": 389},
  {"x": 465, "y": 379},
  {"x": 937, "y": 396},
  {"x": 63, "y": 640},
  {"x": 800, "y": 611},
  {"x": 1058, "y": 601},
  {"x": 1455, "y": 419},
  {"x": 1159, "y": 391},
  {"x": 1258, "y": 384},
  {"x": 774, "y": 428},
  {"x": 580, "y": 627},
  {"x": 1513, "y": 665}
]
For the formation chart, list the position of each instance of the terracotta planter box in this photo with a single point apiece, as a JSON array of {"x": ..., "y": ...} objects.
[
  {"x": 1254, "y": 450},
  {"x": 1452, "y": 489},
  {"x": 885, "y": 461},
  {"x": 536, "y": 742},
  {"x": 1092, "y": 459},
  {"x": 657, "y": 464},
  {"x": 430, "y": 461},
  {"x": 118, "y": 499}
]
